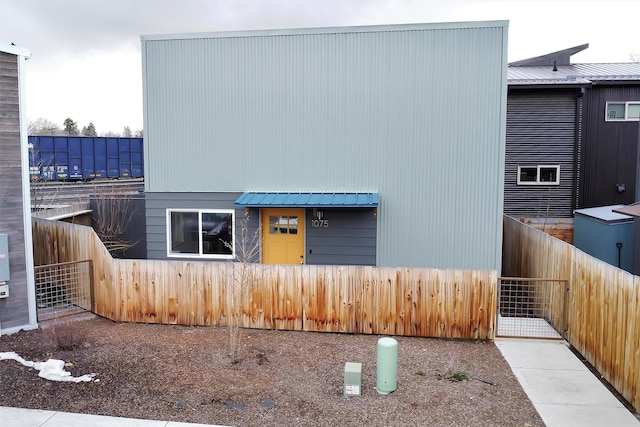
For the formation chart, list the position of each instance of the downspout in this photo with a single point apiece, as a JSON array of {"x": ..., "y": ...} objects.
[
  {"x": 577, "y": 150},
  {"x": 635, "y": 267}
]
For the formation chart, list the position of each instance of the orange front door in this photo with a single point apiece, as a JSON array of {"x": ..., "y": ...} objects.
[{"x": 283, "y": 236}]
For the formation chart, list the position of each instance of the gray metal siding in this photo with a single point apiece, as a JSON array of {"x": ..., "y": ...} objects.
[
  {"x": 14, "y": 310},
  {"x": 350, "y": 238},
  {"x": 541, "y": 130},
  {"x": 415, "y": 113},
  {"x": 609, "y": 151},
  {"x": 156, "y": 205}
]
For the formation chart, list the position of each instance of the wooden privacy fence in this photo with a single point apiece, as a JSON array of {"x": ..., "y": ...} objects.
[
  {"x": 603, "y": 307},
  {"x": 352, "y": 299}
]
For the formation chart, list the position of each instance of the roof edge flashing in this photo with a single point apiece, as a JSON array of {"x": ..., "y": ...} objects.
[{"x": 328, "y": 30}]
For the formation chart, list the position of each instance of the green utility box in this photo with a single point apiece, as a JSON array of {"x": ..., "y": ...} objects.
[{"x": 387, "y": 366}]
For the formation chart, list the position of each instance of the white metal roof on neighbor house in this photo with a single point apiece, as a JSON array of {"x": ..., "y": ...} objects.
[
  {"x": 574, "y": 74},
  {"x": 14, "y": 50},
  {"x": 555, "y": 68}
]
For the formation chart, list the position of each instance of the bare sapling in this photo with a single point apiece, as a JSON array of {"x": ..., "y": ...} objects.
[{"x": 243, "y": 276}]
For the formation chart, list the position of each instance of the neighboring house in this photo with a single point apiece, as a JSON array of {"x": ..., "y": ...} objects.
[
  {"x": 572, "y": 135},
  {"x": 379, "y": 145},
  {"x": 17, "y": 289}
]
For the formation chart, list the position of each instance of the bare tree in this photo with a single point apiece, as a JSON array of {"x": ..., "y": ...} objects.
[
  {"x": 634, "y": 57},
  {"x": 41, "y": 171},
  {"x": 244, "y": 274},
  {"x": 111, "y": 217},
  {"x": 126, "y": 132},
  {"x": 41, "y": 126},
  {"x": 43, "y": 195}
]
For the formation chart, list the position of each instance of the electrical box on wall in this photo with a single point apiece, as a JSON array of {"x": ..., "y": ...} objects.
[
  {"x": 4, "y": 265},
  {"x": 4, "y": 258}
]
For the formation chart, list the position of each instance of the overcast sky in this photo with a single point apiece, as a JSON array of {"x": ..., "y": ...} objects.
[{"x": 86, "y": 63}]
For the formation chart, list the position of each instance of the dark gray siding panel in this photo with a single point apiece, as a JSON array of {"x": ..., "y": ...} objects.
[
  {"x": 349, "y": 239},
  {"x": 133, "y": 208},
  {"x": 156, "y": 205},
  {"x": 609, "y": 151},
  {"x": 541, "y": 129},
  {"x": 14, "y": 311}
]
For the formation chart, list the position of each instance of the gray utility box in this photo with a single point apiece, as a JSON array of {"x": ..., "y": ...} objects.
[
  {"x": 4, "y": 265},
  {"x": 4, "y": 258},
  {"x": 352, "y": 379}
]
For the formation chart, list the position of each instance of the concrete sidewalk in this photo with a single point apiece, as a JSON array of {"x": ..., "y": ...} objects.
[
  {"x": 19, "y": 417},
  {"x": 561, "y": 387}
]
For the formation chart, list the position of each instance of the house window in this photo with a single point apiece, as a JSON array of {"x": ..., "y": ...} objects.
[
  {"x": 283, "y": 224},
  {"x": 200, "y": 233},
  {"x": 539, "y": 175},
  {"x": 622, "y": 111}
]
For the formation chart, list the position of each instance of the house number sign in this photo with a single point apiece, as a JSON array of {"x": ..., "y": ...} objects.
[{"x": 318, "y": 221}]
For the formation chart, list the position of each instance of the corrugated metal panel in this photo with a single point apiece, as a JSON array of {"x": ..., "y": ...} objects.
[
  {"x": 609, "y": 152},
  {"x": 308, "y": 199},
  {"x": 413, "y": 113},
  {"x": 541, "y": 130}
]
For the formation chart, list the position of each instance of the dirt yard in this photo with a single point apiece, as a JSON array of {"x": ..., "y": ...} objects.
[{"x": 182, "y": 373}]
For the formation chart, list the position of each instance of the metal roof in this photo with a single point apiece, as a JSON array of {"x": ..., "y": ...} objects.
[
  {"x": 555, "y": 68},
  {"x": 328, "y": 30},
  {"x": 631, "y": 210},
  {"x": 608, "y": 214},
  {"x": 14, "y": 50},
  {"x": 560, "y": 57},
  {"x": 575, "y": 74},
  {"x": 311, "y": 200}
]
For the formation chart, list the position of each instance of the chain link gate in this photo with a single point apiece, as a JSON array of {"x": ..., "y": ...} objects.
[
  {"x": 532, "y": 308},
  {"x": 64, "y": 289}
]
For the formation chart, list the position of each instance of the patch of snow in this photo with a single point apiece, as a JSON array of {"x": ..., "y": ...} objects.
[{"x": 52, "y": 369}]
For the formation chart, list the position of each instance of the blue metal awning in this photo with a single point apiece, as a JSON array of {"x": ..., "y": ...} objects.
[{"x": 308, "y": 200}]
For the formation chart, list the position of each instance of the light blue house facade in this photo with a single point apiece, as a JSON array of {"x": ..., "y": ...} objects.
[{"x": 377, "y": 145}]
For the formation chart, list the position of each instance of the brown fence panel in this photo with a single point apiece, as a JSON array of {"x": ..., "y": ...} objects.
[
  {"x": 603, "y": 311},
  {"x": 352, "y": 299}
]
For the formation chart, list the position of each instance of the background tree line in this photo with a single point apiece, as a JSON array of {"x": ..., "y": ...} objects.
[{"x": 42, "y": 126}]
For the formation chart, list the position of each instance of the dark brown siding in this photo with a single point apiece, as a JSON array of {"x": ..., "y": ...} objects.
[
  {"x": 14, "y": 310},
  {"x": 609, "y": 149}
]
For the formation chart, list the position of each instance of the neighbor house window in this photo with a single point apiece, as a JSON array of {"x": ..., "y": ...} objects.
[
  {"x": 539, "y": 175},
  {"x": 200, "y": 233},
  {"x": 622, "y": 111}
]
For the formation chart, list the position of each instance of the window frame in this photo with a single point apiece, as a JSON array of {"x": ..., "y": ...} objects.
[
  {"x": 626, "y": 117},
  {"x": 537, "y": 181},
  {"x": 200, "y": 254}
]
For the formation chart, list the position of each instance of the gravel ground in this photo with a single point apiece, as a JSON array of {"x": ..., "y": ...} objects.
[{"x": 284, "y": 378}]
